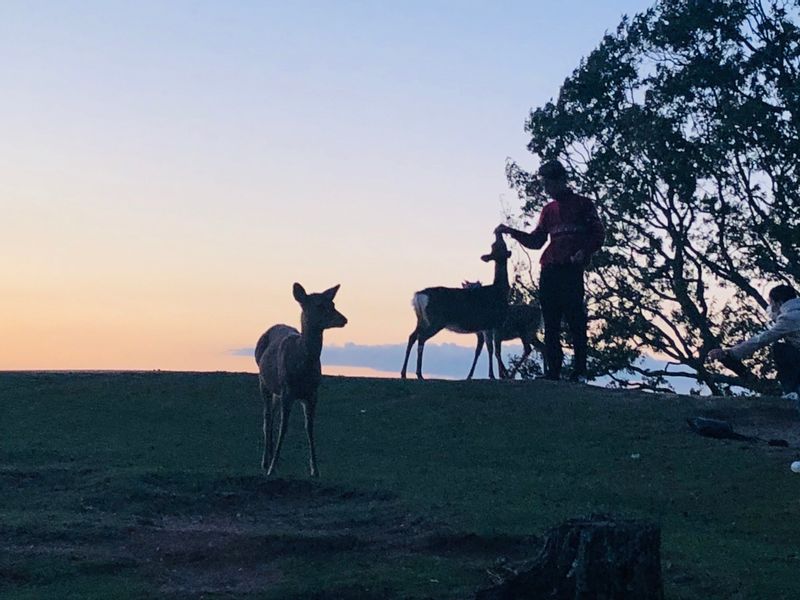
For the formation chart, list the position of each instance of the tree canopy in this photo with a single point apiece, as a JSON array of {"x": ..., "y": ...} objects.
[{"x": 684, "y": 126}]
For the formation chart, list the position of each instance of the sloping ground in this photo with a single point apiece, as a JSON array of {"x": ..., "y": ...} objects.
[{"x": 147, "y": 484}]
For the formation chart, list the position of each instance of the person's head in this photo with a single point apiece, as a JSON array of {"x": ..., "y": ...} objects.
[
  {"x": 554, "y": 178},
  {"x": 780, "y": 294}
]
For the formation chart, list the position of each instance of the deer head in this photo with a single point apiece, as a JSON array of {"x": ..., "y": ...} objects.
[
  {"x": 499, "y": 250},
  {"x": 319, "y": 312}
]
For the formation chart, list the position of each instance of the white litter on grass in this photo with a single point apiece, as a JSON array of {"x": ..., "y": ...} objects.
[
  {"x": 636, "y": 456},
  {"x": 795, "y": 466}
]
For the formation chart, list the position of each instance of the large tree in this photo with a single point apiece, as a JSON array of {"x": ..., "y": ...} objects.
[{"x": 684, "y": 126}]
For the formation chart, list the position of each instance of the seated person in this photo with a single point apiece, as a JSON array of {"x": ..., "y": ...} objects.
[{"x": 783, "y": 334}]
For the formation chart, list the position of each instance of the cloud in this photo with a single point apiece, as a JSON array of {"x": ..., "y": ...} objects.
[
  {"x": 447, "y": 360},
  {"x": 242, "y": 352},
  {"x": 441, "y": 360}
]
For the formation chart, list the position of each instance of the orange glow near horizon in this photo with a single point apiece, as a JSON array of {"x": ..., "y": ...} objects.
[{"x": 169, "y": 170}]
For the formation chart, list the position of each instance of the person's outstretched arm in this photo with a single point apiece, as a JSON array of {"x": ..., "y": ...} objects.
[
  {"x": 533, "y": 240},
  {"x": 781, "y": 328}
]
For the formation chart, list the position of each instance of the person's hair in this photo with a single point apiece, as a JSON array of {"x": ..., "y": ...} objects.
[
  {"x": 553, "y": 170},
  {"x": 782, "y": 293}
]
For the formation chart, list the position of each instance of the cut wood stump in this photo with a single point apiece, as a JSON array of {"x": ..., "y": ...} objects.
[{"x": 592, "y": 558}]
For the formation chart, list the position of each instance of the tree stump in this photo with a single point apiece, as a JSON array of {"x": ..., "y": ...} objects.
[{"x": 593, "y": 558}]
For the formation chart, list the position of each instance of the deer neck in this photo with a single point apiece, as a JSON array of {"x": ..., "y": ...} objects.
[
  {"x": 312, "y": 341},
  {"x": 501, "y": 275}
]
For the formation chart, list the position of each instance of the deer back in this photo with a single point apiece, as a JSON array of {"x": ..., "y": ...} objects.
[
  {"x": 284, "y": 363},
  {"x": 522, "y": 321},
  {"x": 465, "y": 310}
]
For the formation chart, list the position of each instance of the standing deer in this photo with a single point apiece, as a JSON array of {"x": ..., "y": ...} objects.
[
  {"x": 461, "y": 310},
  {"x": 289, "y": 369},
  {"x": 522, "y": 321}
]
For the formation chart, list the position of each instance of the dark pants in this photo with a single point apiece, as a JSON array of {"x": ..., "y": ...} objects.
[
  {"x": 787, "y": 363},
  {"x": 561, "y": 297}
]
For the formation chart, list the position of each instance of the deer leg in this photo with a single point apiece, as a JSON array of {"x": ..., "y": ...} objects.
[
  {"x": 498, "y": 348},
  {"x": 526, "y": 351},
  {"x": 268, "y": 400},
  {"x": 489, "y": 339},
  {"x": 309, "y": 408},
  {"x": 423, "y": 337},
  {"x": 411, "y": 339},
  {"x": 478, "y": 349},
  {"x": 420, "y": 350},
  {"x": 539, "y": 345},
  {"x": 284, "y": 407}
]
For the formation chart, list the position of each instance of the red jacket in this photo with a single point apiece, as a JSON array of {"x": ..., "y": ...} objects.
[{"x": 572, "y": 224}]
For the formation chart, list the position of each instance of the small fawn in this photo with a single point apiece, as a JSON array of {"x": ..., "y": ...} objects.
[
  {"x": 289, "y": 369},
  {"x": 522, "y": 321}
]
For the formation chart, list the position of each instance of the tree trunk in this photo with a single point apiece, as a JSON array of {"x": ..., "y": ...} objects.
[{"x": 593, "y": 558}]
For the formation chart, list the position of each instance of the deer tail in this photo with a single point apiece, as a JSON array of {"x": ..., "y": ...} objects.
[{"x": 420, "y": 304}]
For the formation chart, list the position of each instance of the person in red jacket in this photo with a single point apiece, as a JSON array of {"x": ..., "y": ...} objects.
[{"x": 575, "y": 231}]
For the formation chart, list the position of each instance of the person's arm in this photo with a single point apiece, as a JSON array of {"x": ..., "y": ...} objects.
[
  {"x": 533, "y": 240},
  {"x": 781, "y": 328},
  {"x": 728, "y": 360}
]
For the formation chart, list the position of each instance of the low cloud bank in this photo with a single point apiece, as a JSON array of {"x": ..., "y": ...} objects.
[{"x": 441, "y": 360}]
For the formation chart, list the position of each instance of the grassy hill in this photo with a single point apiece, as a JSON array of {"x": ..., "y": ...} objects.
[{"x": 117, "y": 485}]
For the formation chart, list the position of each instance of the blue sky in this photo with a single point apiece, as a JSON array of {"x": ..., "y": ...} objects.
[{"x": 168, "y": 170}]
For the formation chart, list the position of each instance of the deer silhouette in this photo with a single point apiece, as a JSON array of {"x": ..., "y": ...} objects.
[
  {"x": 471, "y": 310},
  {"x": 289, "y": 369}
]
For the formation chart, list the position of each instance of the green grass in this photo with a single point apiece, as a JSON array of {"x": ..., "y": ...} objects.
[{"x": 130, "y": 485}]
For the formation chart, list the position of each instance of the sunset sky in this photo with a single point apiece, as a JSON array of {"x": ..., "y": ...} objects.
[{"x": 169, "y": 169}]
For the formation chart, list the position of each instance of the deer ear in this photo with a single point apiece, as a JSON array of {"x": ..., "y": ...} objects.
[
  {"x": 299, "y": 292},
  {"x": 486, "y": 257},
  {"x": 330, "y": 293}
]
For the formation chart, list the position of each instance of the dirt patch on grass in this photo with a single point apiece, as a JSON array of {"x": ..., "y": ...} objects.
[
  {"x": 253, "y": 526},
  {"x": 242, "y": 535}
]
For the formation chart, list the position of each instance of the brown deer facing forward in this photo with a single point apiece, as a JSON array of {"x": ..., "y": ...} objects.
[
  {"x": 289, "y": 369},
  {"x": 522, "y": 321},
  {"x": 461, "y": 310}
]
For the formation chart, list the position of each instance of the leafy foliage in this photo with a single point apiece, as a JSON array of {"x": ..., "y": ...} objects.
[{"x": 682, "y": 125}]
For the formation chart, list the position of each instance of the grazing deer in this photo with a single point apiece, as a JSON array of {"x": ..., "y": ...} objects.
[
  {"x": 289, "y": 369},
  {"x": 461, "y": 310},
  {"x": 522, "y": 321}
]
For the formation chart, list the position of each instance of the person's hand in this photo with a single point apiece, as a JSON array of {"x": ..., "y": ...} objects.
[
  {"x": 500, "y": 229},
  {"x": 578, "y": 257},
  {"x": 716, "y": 354}
]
